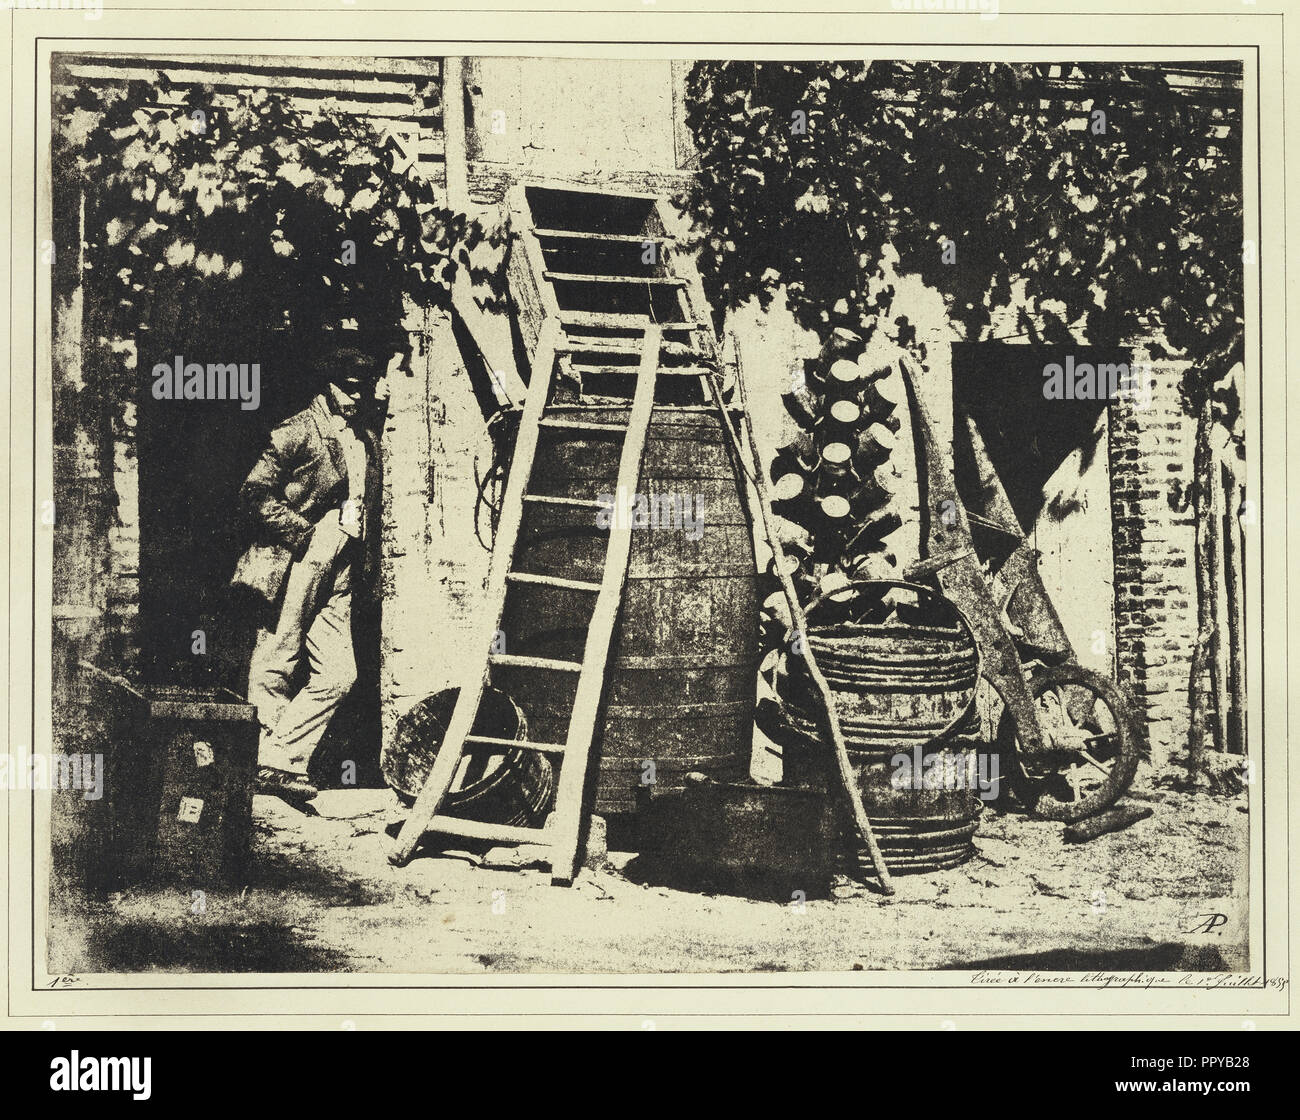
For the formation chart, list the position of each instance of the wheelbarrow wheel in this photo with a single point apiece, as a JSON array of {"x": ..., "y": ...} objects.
[{"x": 1091, "y": 746}]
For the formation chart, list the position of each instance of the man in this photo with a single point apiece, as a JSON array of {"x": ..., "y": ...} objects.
[{"x": 312, "y": 510}]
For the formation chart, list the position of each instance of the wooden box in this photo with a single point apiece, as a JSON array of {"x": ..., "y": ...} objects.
[
  {"x": 179, "y": 769},
  {"x": 207, "y": 739}
]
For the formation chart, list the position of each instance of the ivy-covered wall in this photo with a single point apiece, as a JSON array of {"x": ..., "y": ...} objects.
[{"x": 107, "y": 323}]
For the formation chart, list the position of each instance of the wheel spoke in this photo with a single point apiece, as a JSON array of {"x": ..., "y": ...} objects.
[{"x": 1104, "y": 769}]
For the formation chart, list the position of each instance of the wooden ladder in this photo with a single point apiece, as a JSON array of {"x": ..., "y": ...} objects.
[
  {"x": 600, "y": 333},
  {"x": 561, "y": 832},
  {"x": 590, "y": 309}
]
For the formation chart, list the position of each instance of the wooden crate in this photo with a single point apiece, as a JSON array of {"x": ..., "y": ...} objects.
[
  {"x": 208, "y": 744},
  {"x": 180, "y": 764}
]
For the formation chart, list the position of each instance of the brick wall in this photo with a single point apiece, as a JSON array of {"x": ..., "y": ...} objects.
[{"x": 1155, "y": 580}]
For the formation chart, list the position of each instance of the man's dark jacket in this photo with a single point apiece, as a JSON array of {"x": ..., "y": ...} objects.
[{"x": 301, "y": 475}]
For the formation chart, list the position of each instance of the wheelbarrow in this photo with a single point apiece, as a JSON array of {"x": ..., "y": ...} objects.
[{"x": 1071, "y": 733}]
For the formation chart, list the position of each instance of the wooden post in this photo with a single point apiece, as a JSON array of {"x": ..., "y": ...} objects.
[
  {"x": 490, "y": 331},
  {"x": 1196, "y": 692},
  {"x": 453, "y": 130},
  {"x": 1219, "y": 609},
  {"x": 1234, "y": 582}
]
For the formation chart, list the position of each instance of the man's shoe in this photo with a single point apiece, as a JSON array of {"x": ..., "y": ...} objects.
[{"x": 293, "y": 789}]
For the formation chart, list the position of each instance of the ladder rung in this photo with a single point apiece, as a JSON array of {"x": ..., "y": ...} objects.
[
  {"x": 598, "y": 346},
  {"x": 617, "y": 321},
  {"x": 630, "y": 371},
  {"x": 622, "y": 348},
  {"x": 624, "y": 238},
  {"x": 515, "y": 744},
  {"x": 553, "y": 581},
  {"x": 606, "y": 278},
  {"x": 548, "y": 499},
  {"x": 480, "y": 830},
  {"x": 519, "y": 661},
  {"x": 581, "y": 425}
]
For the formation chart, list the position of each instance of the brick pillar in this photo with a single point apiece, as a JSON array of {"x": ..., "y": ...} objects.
[{"x": 1154, "y": 547}]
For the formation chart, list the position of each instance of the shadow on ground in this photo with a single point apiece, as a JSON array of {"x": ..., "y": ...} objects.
[
  {"x": 1169, "y": 957},
  {"x": 251, "y": 926},
  {"x": 145, "y": 946},
  {"x": 657, "y": 871}
]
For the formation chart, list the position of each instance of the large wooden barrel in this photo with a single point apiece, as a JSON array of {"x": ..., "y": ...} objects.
[
  {"x": 680, "y": 687},
  {"x": 903, "y": 691}
]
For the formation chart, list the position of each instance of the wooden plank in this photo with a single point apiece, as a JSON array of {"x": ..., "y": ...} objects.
[
  {"x": 525, "y": 266},
  {"x": 394, "y": 67},
  {"x": 553, "y": 581},
  {"x": 608, "y": 278},
  {"x": 694, "y": 304},
  {"x": 394, "y": 115},
  {"x": 491, "y": 335},
  {"x": 454, "y": 141},
  {"x": 523, "y": 285},
  {"x": 572, "y": 187},
  {"x": 621, "y": 322},
  {"x": 552, "y": 500},
  {"x": 522, "y": 226},
  {"x": 515, "y": 744},
  {"x": 480, "y": 830},
  {"x": 591, "y": 684},
  {"x": 623, "y": 238},
  {"x": 600, "y": 346},
  {"x": 625, "y": 348},
  {"x": 512, "y": 513},
  {"x": 369, "y": 91},
  {"x": 628, "y": 371},
  {"x": 519, "y": 661},
  {"x": 582, "y": 425}
]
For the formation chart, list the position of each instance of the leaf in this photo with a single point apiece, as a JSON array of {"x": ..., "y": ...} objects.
[
  {"x": 294, "y": 173},
  {"x": 364, "y": 199},
  {"x": 813, "y": 202}
]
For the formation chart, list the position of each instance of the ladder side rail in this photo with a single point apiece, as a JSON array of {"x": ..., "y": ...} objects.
[
  {"x": 567, "y": 820},
  {"x": 525, "y": 230},
  {"x": 694, "y": 304},
  {"x": 521, "y": 222},
  {"x": 462, "y": 718}
]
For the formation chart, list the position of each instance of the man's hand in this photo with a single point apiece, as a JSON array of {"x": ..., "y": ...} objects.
[
  {"x": 350, "y": 518},
  {"x": 262, "y": 494},
  {"x": 327, "y": 538}
]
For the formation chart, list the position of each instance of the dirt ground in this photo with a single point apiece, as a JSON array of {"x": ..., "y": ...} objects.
[{"x": 322, "y": 897}]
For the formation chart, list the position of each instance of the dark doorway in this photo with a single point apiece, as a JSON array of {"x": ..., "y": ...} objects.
[
  {"x": 193, "y": 457},
  {"x": 1027, "y": 435}
]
